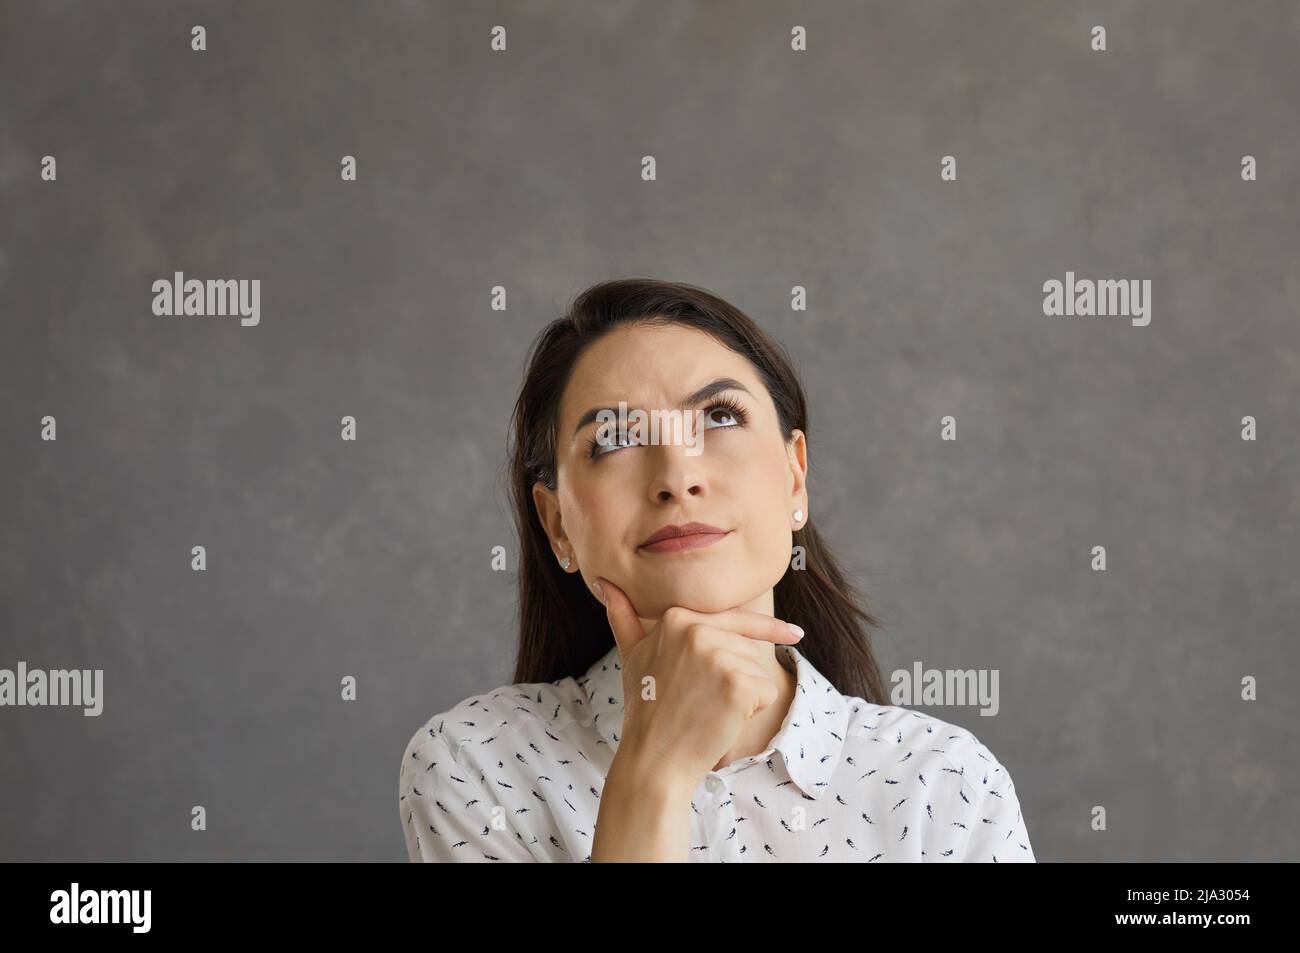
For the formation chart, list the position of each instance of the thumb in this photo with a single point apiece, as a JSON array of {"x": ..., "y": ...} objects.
[{"x": 623, "y": 620}]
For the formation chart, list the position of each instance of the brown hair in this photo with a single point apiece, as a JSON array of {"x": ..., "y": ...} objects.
[{"x": 562, "y": 627}]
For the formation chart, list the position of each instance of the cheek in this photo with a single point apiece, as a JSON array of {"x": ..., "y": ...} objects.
[
  {"x": 770, "y": 513},
  {"x": 767, "y": 547},
  {"x": 592, "y": 521},
  {"x": 770, "y": 485},
  {"x": 770, "y": 542}
]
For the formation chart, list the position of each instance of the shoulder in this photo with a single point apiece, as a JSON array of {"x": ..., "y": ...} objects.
[
  {"x": 904, "y": 727},
  {"x": 916, "y": 734},
  {"x": 971, "y": 810},
  {"x": 505, "y": 712}
]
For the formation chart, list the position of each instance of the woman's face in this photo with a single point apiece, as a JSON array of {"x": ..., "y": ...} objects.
[{"x": 739, "y": 475}]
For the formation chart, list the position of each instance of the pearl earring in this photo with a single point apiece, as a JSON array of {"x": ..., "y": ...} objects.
[
  {"x": 798, "y": 516},
  {"x": 564, "y": 563}
]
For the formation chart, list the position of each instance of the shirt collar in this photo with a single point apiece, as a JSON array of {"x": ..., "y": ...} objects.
[{"x": 809, "y": 741}]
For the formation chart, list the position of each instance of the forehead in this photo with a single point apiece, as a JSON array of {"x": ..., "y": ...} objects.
[{"x": 650, "y": 366}]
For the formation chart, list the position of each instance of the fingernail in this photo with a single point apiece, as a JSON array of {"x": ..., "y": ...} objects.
[
  {"x": 600, "y": 592},
  {"x": 798, "y": 632}
]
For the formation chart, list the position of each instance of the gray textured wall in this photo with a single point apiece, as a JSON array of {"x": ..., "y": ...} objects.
[{"x": 775, "y": 168}]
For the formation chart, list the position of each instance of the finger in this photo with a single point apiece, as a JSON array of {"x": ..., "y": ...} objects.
[
  {"x": 743, "y": 663},
  {"x": 734, "y": 645},
  {"x": 754, "y": 625},
  {"x": 765, "y": 693},
  {"x": 623, "y": 620}
]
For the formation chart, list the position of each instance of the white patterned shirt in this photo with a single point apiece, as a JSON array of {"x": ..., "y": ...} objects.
[{"x": 517, "y": 774}]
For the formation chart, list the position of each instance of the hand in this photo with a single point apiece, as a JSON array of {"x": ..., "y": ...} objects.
[{"x": 707, "y": 677}]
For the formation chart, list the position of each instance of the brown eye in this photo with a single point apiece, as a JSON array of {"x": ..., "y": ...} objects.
[
  {"x": 725, "y": 413},
  {"x": 727, "y": 409}
]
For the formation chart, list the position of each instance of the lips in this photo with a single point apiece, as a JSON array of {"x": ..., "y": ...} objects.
[{"x": 672, "y": 537}]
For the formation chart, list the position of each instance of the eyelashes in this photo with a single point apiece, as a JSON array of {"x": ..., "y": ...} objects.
[{"x": 732, "y": 408}]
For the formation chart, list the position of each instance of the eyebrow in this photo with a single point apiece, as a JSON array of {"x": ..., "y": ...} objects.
[{"x": 694, "y": 399}]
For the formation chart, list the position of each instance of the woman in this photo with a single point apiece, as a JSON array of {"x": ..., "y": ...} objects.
[{"x": 693, "y": 679}]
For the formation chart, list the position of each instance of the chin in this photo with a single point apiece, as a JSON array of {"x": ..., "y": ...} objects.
[{"x": 698, "y": 596}]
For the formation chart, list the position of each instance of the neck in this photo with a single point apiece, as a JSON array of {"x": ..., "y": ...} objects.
[{"x": 759, "y": 731}]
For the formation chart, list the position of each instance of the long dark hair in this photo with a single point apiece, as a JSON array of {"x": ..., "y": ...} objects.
[{"x": 562, "y": 627}]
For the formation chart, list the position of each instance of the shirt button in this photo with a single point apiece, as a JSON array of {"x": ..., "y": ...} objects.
[{"x": 713, "y": 785}]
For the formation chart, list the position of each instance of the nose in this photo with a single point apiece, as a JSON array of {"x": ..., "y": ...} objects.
[
  {"x": 678, "y": 475},
  {"x": 667, "y": 495}
]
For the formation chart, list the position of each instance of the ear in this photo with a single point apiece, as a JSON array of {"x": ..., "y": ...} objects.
[
  {"x": 797, "y": 453},
  {"x": 548, "y": 512}
]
